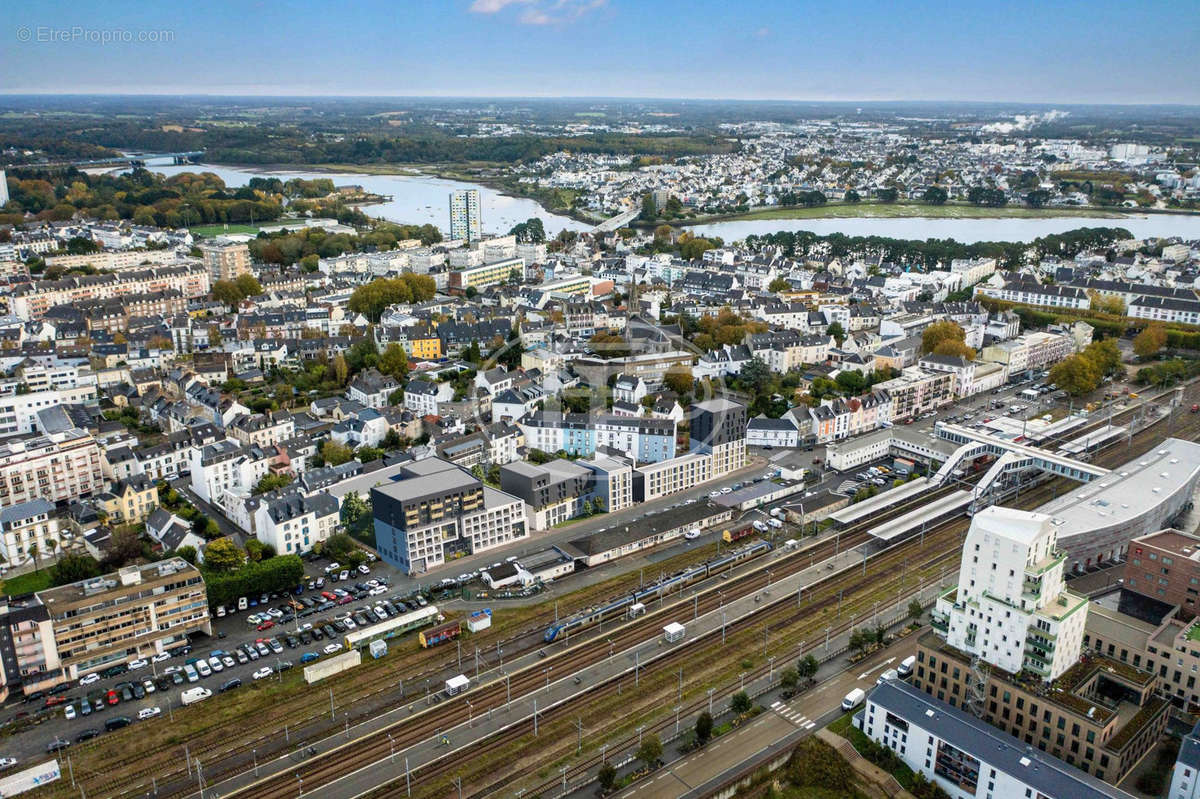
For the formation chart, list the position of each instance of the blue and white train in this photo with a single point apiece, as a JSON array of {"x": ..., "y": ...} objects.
[{"x": 667, "y": 585}]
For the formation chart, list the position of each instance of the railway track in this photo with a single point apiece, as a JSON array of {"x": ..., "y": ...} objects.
[
  {"x": 230, "y": 758},
  {"x": 781, "y": 612}
]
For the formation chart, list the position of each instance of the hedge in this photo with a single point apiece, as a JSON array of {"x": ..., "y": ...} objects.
[{"x": 278, "y": 574}]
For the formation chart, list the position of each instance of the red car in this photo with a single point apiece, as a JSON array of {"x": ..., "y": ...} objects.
[
  {"x": 51, "y": 701},
  {"x": 112, "y": 697},
  {"x": 266, "y": 625},
  {"x": 332, "y": 597},
  {"x": 343, "y": 600}
]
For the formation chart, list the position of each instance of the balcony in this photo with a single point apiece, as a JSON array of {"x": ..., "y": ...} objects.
[{"x": 940, "y": 624}]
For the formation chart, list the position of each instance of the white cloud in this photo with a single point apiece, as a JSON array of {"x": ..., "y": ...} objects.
[
  {"x": 492, "y": 6},
  {"x": 540, "y": 12}
]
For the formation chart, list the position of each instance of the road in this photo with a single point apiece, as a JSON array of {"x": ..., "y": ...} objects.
[{"x": 688, "y": 774}]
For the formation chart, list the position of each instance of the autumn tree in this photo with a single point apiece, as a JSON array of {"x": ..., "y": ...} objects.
[
  {"x": 1076, "y": 375},
  {"x": 223, "y": 555},
  {"x": 341, "y": 370},
  {"x": 679, "y": 380},
  {"x": 1150, "y": 341},
  {"x": 226, "y": 292},
  {"x": 779, "y": 284},
  {"x": 1106, "y": 303},
  {"x": 939, "y": 333}
]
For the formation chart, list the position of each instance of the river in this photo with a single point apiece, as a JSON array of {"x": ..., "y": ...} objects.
[
  {"x": 418, "y": 199},
  {"x": 967, "y": 231}
]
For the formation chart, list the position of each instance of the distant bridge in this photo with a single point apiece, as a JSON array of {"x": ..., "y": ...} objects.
[
  {"x": 616, "y": 222},
  {"x": 132, "y": 160}
]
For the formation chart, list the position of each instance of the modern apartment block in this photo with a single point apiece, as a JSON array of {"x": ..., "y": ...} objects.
[
  {"x": 640, "y": 438},
  {"x": 1166, "y": 566},
  {"x": 1011, "y": 607},
  {"x": 490, "y": 274},
  {"x": 966, "y": 757},
  {"x": 718, "y": 428},
  {"x": 436, "y": 511},
  {"x": 1101, "y": 715},
  {"x": 68, "y": 631},
  {"x": 56, "y": 467},
  {"x": 555, "y": 491},
  {"x": 33, "y": 300},
  {"x": 465, "y": 223},
  {"x": 225, "y": 260}
]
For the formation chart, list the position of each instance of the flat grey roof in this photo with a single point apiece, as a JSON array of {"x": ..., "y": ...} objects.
[
  {"x": 1128, "y": 492},
  {"x": 999, "y": 750},
  {"x": 646, "y": 526}
]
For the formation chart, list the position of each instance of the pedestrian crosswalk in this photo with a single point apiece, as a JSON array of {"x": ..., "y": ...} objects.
[{"x": 793, "y": 715}]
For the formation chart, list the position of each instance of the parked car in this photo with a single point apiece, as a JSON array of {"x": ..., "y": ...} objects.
[
  {"x": 263, "y": 673},
  {"x": 332, "y": 648},
  {"x": 138, "y": 664},
  {"x": 88, "y": 679},
  {"x": 149, "y": 713}
]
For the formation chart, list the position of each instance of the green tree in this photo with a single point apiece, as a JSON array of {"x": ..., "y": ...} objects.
[
  {"x": 310, "y": 263},
  {"x": 354, "y": 508},
  {"x": 779, "y": 284},
  {"x": 72, "y": 568},
  {"x": 789, "y": 679},
  {"x": 852, "y": 197},
  {"x": 223, "y": 556},
  {"x": 851, "y": 382},
  {"x": 838, "y": 332},
  {"x": 1105, "y": 356},
  {"x": 704, "y": 727},
  {"x": 255, "y": 549},
  {"x": 1037, "y": 198},
  {"x": 607, "y": 776},
  {"x": 336, "y": 454},
  {"x": 755, "y": 375},
  {"x": 934, "y": 195},
  {"x": 248, "y": 285},
  {"x": 340, "y": 369},
  {"x": 272, "y": 482},
  {"x": 1150, "y": 341},
  {"x": 649, "y": 211},
  {"x": 650, "y": 751},
  {"x": 915, "y": 610},
  {"x": 807, "y": 667},
  {"x": 188, "y": 553},
  {"x": 740, "y": 703},
  {"x": 394, "y": 361}
]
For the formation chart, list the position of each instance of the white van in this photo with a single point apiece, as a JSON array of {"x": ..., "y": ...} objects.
[
  {"x": 854, "y": 699},
  {"x": 760, "y": 526},
  {"x": 775, "y": 523},
  {"x": 242, "y": 603},
  {"x": 193, "y": 695},
  {"x": 906, "y": 667}
]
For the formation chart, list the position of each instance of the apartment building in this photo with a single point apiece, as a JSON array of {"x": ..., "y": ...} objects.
[
  {"x": 718, "y": 428},
  {"x": 917, "y": 391},
  {"x": 1100, "y": 716},
  {"x": 137, "y": 612},
  {"x": 643, "y": 439},
  {"x": 1165, "y": 565},
  {"x": 56, "y": 466},
  {"x": 465, "y": 222},
  {"x": 19, "y": 412},
  {"x": 1029, "y": 351},
  {"x": 1029, "y": 292},
  {"x": 33, "y": 300},
  {"x": 292, "y": 523},
  {"x": 1011, "y": 606},
  {"x": 656, "y": 480},
  {"x": 26, "y": 525},
  {"x": 1165, "y": 309},
  {"x": 225, "y": 260},
  {"x": 28, "y": 657},
  {"x": 484, "y": 275},
  {"x": 438, "y": 511},
  {"x": 554, "y": 491},
  {"x": 966, "y": 757},
  {"x": 262, "y": 429}
]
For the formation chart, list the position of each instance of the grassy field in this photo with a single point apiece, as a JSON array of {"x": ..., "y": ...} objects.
[
  {"x": 899, "y": 210},
  {"x": 26, "y": 583}
]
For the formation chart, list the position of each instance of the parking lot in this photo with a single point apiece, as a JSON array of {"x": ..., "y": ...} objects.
[{"x": 257, "y": 643}]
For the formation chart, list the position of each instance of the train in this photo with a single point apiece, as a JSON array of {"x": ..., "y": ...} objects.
[
  {"x": 391, "y": 628},
  {"x": 675, "y": 582},
  {"x": 729, "y": 536},
  {"x": 439, "y": 635}
]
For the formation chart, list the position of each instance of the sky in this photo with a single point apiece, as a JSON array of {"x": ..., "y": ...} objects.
[{"x": 1061, "y": 51}]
